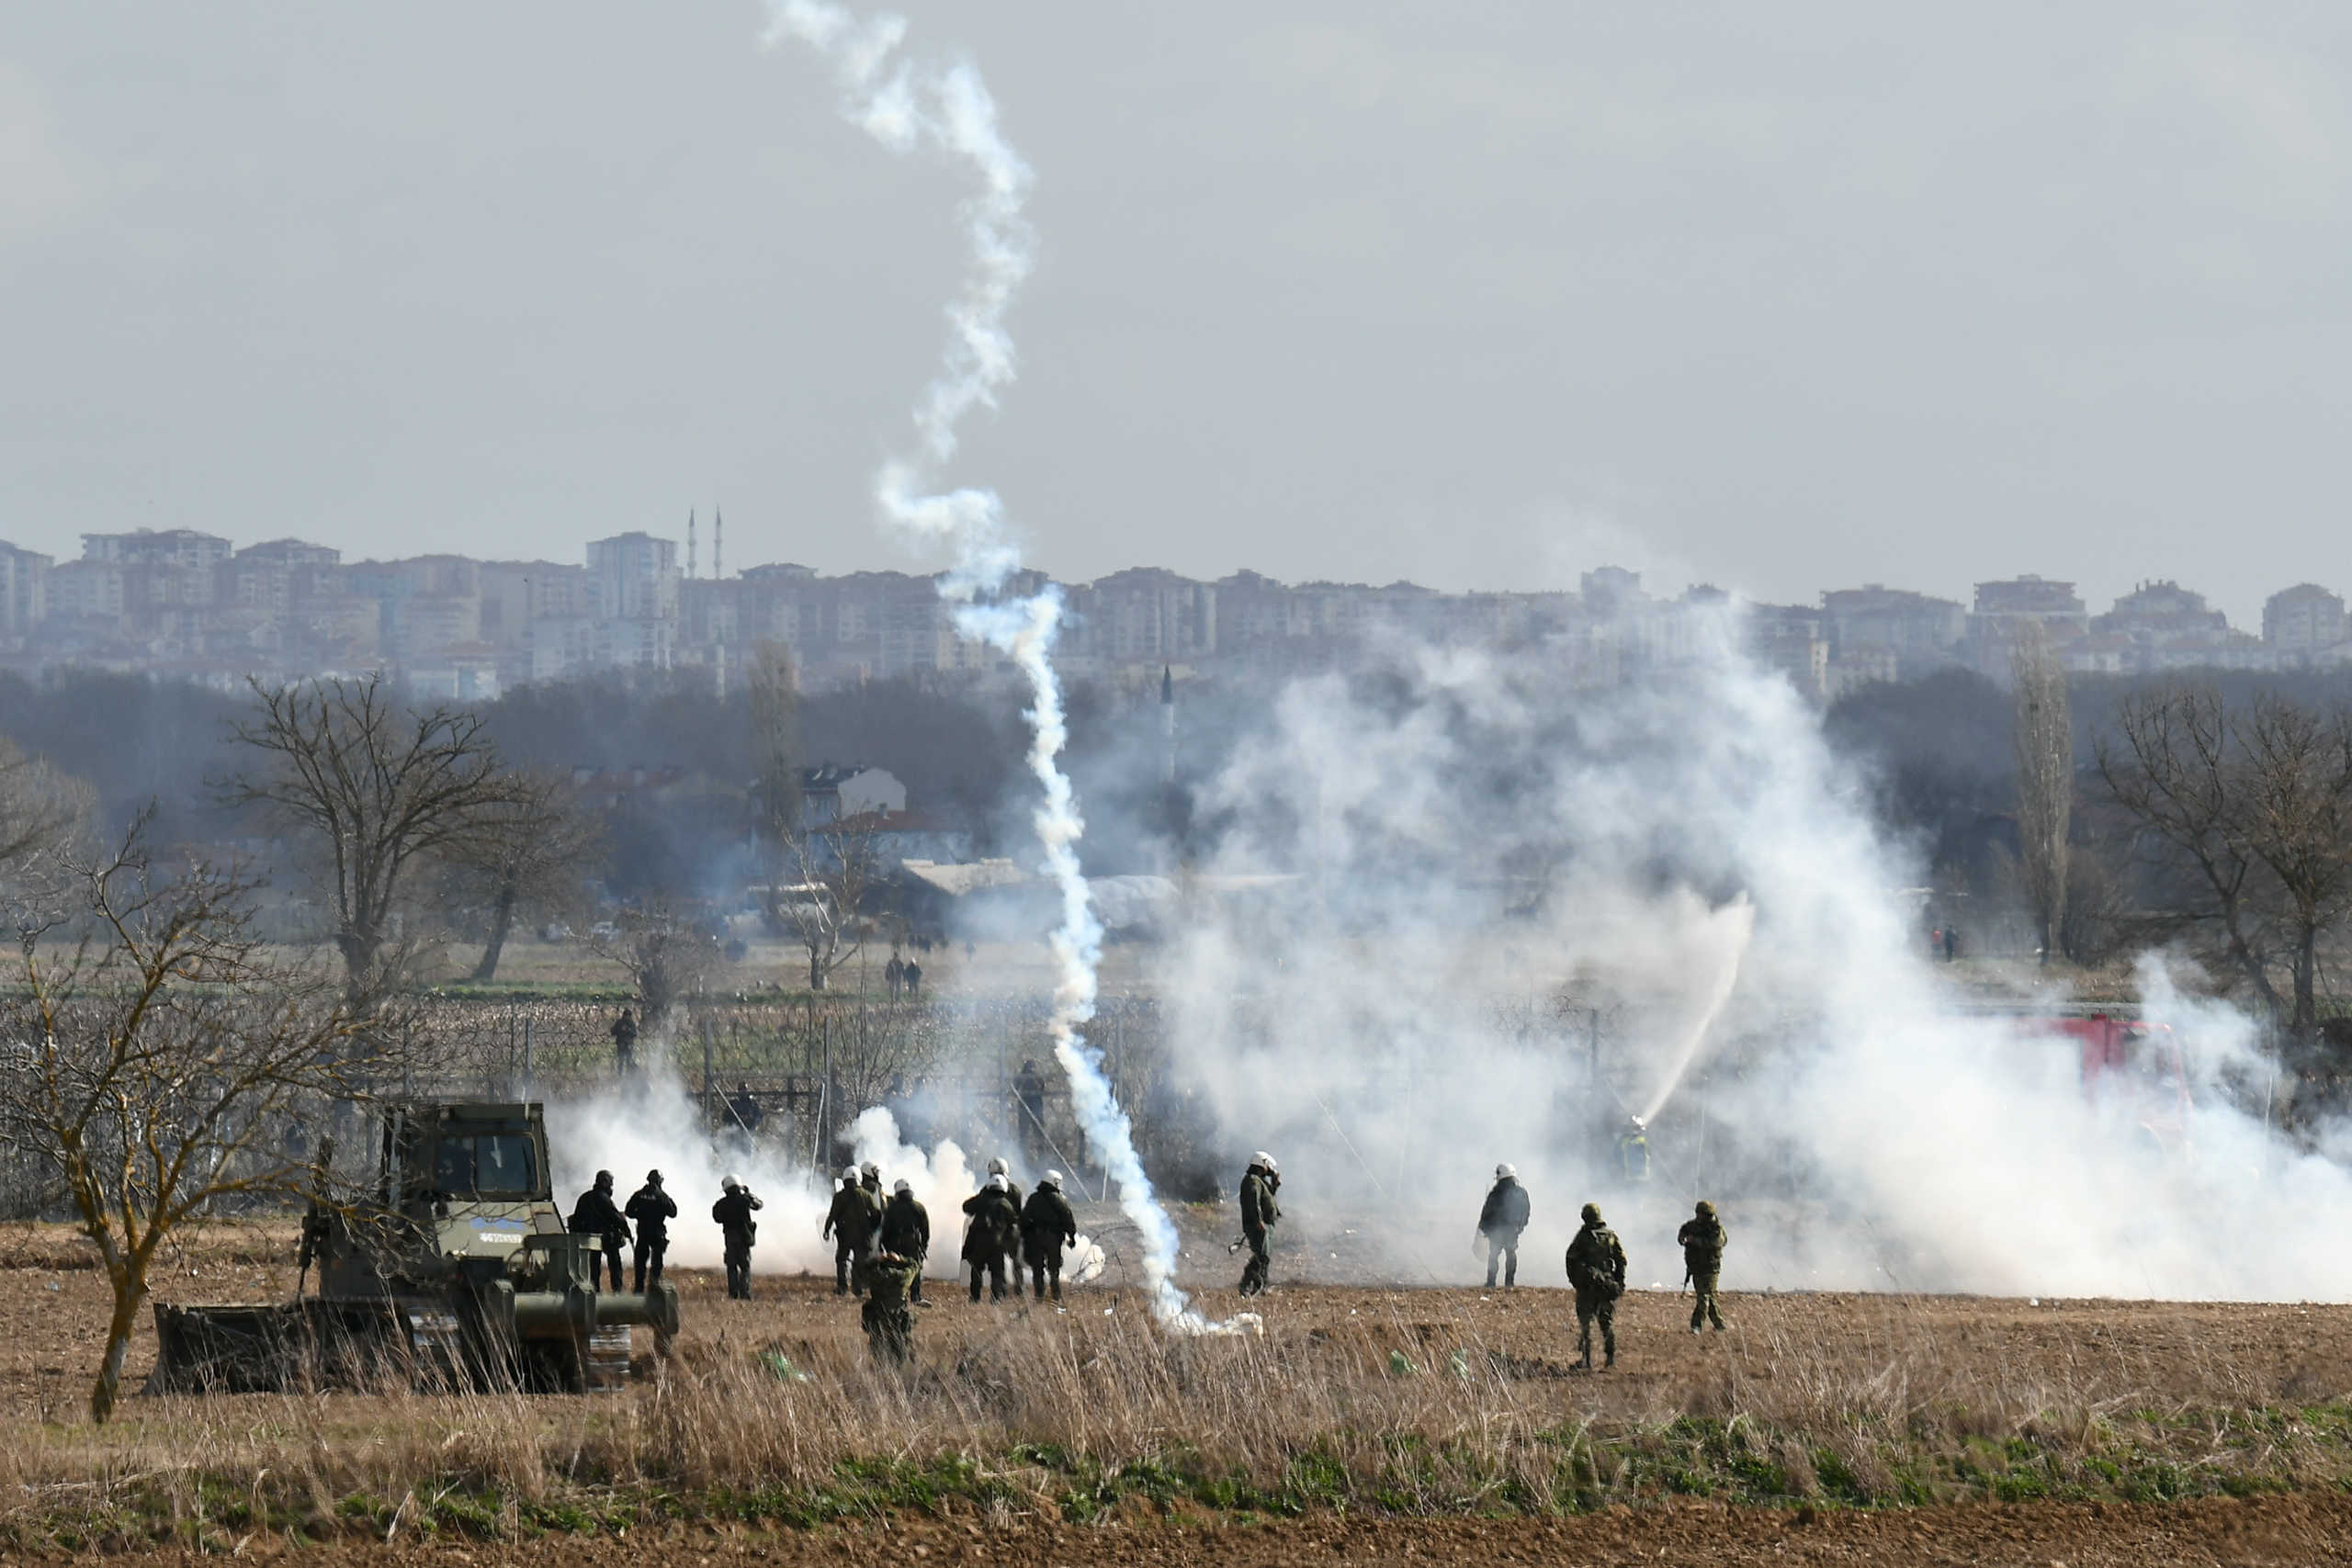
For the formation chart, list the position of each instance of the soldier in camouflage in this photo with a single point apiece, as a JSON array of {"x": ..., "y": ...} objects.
[
  {"x": 1597, "y": 1269},
  {"x": 889, "y": 1326},
  {"x": 1258, "y": 1213},
  {"x": 1703, "y": 1241}
]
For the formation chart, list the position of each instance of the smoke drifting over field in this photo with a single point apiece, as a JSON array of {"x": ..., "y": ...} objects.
[
  {"x": 1488, "y": 866},
  {"x": 1477, "y": 845}
]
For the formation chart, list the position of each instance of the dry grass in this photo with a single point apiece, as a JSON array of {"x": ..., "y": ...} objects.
[{"x": 1087, "y": 1414}]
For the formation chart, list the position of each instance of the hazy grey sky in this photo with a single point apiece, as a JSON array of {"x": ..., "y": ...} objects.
[{"x": 1781, "y": 296}]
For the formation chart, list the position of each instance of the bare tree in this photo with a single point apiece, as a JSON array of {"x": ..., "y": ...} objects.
[
  {"x": 2249, "y": 817},
  {"x": 41, "y": 810},
  {"x": 822, "y": 903},
  {"x": 155, "y": 1062},
  {"x": 818, "y": 878},
  {"x": 775, "y": 744},
  {"x": 2044, "y": 736},
  {"x": 2298, "y": 801},
  {"x": 527, "y": 855},
  {"x": 379, "y": 789},
  {"x": 669, "y": 951}
]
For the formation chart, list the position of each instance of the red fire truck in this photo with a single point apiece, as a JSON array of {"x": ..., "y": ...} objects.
[{"x": 2134, "y": 1070}]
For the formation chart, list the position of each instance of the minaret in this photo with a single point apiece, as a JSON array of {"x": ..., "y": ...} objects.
[
  {"x": 690, "y": 542},
  {"x": 718, "y": 541},
  {"x": 1167, "y": 727}
]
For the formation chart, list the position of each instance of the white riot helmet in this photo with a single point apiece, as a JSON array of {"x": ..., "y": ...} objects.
[
  {"x": 870, "y": 1168},
  {"x": 997, "y": 1166},
  {"x": 728, "y": 1184},
  {"x": 903, "y": 1185},
  {"x": 1263, "y": 1158},
  {"x": 997, "y": 1183},
  {"x": 1051, "y": 1178},
  {"x": 1506, "y": 1172},
  {"x": 849, "y": 1173}
]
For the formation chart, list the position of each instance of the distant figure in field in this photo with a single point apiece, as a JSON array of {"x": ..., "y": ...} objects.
[
  {"x": 1500, "y": 1221},
  {"x": 913, "y": 978},
  {"x": 1634, "y": 1151},
  {"x": 744, "y": 1109},
  {"x": 625, "y": 1044},
  {"x": 1046, "y": 1227},
  {"x": 1029, "y": 1102},
  {"x": 1259, "y": 1214},
  {"x": 1952, "y": 945},
  {"x": 894, "y": 974},
  {"x": 1597, "y": 1269},
  {"x": 1703, "y": 1242}
]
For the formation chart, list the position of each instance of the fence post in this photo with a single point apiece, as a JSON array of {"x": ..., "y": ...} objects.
[
  {"x": 825, "y": 1096},
  {"x": 706, "y": 1070}
]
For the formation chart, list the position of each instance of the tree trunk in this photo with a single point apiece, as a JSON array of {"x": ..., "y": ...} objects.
[
  {"x": 816, "y": 970},
  {"x": 130, "y": 1291},
  {"x": 501, "y": 923},
  {"x": 2306, "y": 1021}
]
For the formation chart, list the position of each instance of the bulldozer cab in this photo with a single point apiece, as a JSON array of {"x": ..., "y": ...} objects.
[{"x": 473, "y": 1175}]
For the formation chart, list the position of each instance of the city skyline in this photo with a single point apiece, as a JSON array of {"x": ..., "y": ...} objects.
[
  {"x": 197, "y": 606},
  {"x": 1770, "y": 299}
]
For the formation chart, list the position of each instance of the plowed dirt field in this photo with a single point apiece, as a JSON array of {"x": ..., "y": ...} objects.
[{"x": 2240, "y": 1356}]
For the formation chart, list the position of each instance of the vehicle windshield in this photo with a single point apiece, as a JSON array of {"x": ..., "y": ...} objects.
[{"x": 486, "y": 1165}]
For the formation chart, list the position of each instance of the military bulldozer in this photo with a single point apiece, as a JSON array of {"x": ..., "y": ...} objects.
[{"x": 451, "y": 1270}]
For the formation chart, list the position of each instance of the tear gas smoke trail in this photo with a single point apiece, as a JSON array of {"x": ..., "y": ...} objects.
[
  {"x": 1738, "y": 920},
  {"x": 907, "y": 107}
]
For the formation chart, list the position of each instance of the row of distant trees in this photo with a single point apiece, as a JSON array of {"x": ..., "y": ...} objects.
[
  {"x": 2216, "y": 821},
  {"x": 400, "y": 810}
]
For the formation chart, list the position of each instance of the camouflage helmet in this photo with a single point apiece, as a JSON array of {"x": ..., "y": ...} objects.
[
  {"x": 1592, "y": 1214},
  {"x": 1706, "y": 1210}
]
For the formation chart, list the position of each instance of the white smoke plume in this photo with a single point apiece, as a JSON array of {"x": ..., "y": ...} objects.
[
  {"x": 910, "y": 107},
  {"x": 653, "y": 1123},
  {"x": 1489, "y": 864}
]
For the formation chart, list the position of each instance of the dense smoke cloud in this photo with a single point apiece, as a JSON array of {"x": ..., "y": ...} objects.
[{"x": 1486, "y": 861}]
